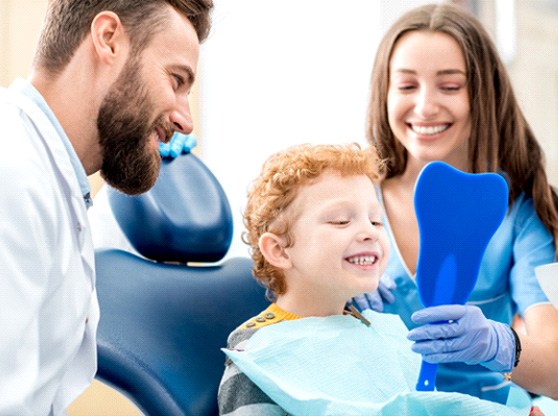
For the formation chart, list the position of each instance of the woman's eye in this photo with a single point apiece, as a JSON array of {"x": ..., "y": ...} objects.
[
  {"x": 451, "y": 88},
  {"x": 405, "y": 87},
  {"x": 377, "y": 223}
]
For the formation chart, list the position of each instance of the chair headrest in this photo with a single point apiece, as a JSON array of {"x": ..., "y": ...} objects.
[{"x": 185, "y": 217}]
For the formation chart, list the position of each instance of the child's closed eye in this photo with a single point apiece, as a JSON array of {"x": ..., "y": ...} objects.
[{"x": 341, "y": 221}]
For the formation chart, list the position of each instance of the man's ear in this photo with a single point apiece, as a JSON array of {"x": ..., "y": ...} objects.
[
  {"x": 108, "y": 36},
  {"x": 271, "y": 246}
]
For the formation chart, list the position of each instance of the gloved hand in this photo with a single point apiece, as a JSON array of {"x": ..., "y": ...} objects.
[
  {"x": 375, "y": 300},
  {"x": 179, "y": 143},
  {"x": 452, "y": 333}
]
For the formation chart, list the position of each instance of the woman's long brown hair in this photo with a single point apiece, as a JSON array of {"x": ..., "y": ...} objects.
[{"x": 501, "y": 139}]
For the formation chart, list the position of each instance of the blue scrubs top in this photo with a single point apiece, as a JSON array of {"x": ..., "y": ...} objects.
[{"x": 506, "y": 285}]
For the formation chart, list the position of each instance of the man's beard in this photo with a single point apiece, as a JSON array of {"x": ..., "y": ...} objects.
[{"x": 130, "y": 164}]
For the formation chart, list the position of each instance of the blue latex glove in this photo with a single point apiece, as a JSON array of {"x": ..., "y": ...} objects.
[
  {"x": 178, "y": 144},
  {"x": 375, "y": 300},
  {"x": 461, "y": 333}
]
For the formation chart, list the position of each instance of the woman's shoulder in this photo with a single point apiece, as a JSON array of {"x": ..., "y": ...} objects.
[{"x": 522, "y": 209}]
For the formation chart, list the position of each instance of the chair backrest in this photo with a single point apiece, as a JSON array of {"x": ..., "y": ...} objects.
[{"x": 163, "y": 324}]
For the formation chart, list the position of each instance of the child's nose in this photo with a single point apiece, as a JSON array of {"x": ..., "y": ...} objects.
[{"x": 368, "y": 231}]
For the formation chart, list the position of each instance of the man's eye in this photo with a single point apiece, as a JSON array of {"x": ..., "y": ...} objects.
[{"x": 179, "y": 80}]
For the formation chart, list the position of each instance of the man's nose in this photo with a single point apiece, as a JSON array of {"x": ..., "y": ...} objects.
[{"x": 181, "y": 117}]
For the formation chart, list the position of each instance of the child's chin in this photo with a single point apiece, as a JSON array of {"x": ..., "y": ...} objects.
[
  {"x": 373, "y": 286},
  {"x": 368, "y": 289}
]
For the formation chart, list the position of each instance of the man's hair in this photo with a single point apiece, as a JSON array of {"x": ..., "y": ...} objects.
[
  {"x": 68, "y": 22},
  {"x": 281, "y": 177},
  {"x": 500, "y": 140}
]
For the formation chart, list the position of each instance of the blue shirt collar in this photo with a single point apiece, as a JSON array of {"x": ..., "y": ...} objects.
[{"x": 27, "y": 89}]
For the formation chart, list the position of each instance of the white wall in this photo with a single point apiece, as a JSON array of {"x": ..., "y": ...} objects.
[
  {"x": 281, "y": 72},
  {"x": 534, "y": 73}
]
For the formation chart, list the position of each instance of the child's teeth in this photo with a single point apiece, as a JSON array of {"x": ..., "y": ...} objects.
[{"x": 362, "y": 260}]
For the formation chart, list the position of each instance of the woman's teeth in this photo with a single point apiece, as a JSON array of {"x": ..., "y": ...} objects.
[{"x": 429, "y": 130}]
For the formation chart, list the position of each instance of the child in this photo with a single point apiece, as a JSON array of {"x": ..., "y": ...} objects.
[{"x": 314, "y": 227}]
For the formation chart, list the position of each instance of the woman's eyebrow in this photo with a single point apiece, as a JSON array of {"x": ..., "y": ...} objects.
[{"x": 449, "y": 71}]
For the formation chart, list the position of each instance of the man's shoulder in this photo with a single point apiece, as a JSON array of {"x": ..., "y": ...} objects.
[
  {"x": 18, "y": 136},
  {"x": 27, "y": 174},
  {"x": 11, "y": 116}
]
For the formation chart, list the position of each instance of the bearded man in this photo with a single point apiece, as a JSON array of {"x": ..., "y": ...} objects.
[{"x": 109, "y": 82}]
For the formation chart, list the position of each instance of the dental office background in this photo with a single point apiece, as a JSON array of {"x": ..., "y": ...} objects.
[{"x": 275, "y": 73}]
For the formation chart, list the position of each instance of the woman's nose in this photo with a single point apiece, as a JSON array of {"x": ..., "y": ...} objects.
[{"x": 426, "y": 105}]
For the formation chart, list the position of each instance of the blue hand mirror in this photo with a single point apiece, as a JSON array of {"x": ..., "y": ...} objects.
[{"x": 457, "y": 215}]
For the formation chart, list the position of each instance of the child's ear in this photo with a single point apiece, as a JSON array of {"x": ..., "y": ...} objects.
[{"x": 271, "y": 246}]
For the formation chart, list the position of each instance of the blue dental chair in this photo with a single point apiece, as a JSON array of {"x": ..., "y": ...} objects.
[{"x": 165, "y": 316}]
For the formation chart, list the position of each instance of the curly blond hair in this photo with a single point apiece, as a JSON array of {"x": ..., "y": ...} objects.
[{"x": 281, "y": 177}]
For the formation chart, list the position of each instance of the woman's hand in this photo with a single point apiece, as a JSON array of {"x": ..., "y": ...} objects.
[{"x": 461, "y": 333}]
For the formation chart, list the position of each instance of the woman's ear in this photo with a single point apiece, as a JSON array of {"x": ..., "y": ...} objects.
[
  {"x": 108, "y": 36},
  {"x": 272, "y": 248}
]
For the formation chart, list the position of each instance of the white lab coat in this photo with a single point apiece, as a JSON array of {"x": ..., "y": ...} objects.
[{"x": 48, "y": 304}]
